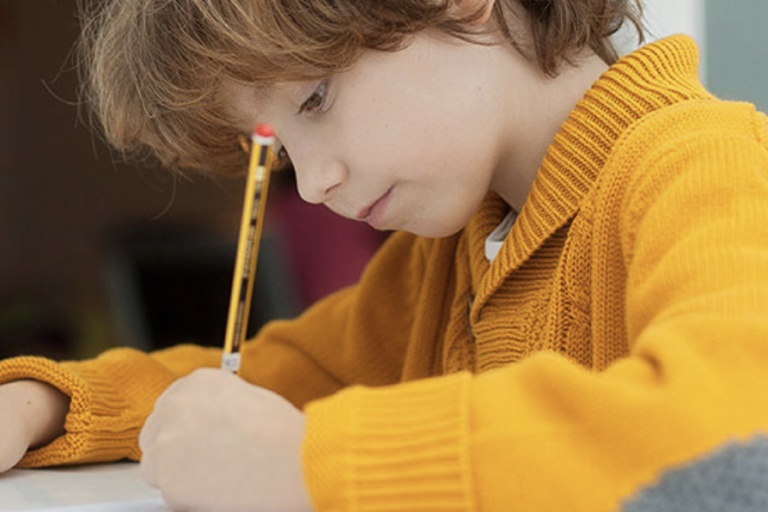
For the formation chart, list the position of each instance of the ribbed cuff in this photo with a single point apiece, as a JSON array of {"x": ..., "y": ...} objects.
[
  {"x": 101, "y": 425},
  {"x": 402, "y": 447}
]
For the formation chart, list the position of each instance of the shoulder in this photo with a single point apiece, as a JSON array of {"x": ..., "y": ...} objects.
[
  {"x": 684, "y": 157},
  {"x": 709, "y": 136},
  {"x": 692, "y": 122}
]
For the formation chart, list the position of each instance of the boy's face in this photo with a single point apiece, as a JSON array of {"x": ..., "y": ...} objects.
[{"x": 410, "y": 140}]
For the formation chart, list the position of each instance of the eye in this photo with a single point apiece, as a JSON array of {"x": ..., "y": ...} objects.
[{"x": 317, "y": 102}]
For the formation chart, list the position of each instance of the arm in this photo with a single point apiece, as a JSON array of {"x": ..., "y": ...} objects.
[
  {"x": 546, "y": 432},
  {"x": 344, "y": 339},
  {"x": 313, "y": 356},
  {"x": 33, "y": 415}
]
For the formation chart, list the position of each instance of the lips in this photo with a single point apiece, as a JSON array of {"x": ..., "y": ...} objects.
[
  {"x": 374, "y": 213},
  {"x": 363, "y": 214}
]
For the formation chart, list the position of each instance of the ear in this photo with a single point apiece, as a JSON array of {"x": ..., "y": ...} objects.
[{"x": 463, "y": 8}]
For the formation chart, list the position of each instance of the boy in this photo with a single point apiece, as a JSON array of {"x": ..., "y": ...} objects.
[{"x": 575, "y": 306}]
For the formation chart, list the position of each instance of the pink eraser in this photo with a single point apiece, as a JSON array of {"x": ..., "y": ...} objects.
[{"x": 264, "y": 130}]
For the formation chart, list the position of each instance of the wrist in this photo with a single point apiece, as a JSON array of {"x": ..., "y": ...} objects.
[{"x": 41, "y": 407}]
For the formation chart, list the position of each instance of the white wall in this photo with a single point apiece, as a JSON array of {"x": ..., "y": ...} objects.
[
  {"x": 732, "y": 39},
  {"x": 665, "y": 17}
]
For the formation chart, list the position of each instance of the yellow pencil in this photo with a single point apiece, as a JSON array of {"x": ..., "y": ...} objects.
[{"x": 251, "y": 225}]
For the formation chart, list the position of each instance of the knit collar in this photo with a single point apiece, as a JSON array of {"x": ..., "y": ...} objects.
[{"x": 657, "y": 75}]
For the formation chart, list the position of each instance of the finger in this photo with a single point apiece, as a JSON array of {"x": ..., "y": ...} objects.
[
  {"x": 10, "y": 455},
  {"x": 177, "y": 390},
  {"x": 155, "y": 475},
  {"x": 149, "y": 432},
  {"x": 148, "y": 469}
]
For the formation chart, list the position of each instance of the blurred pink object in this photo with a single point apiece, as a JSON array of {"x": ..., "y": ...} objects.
[{"x": 326, "y": 251}]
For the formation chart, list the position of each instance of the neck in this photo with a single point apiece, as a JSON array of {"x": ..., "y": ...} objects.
[{"x": 550, "y": 101}]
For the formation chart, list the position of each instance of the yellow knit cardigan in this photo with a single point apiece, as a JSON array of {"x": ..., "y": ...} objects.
[{"x": 621, "y": 331}]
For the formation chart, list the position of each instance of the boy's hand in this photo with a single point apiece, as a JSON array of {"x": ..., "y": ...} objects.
[
  {"x": 31, "y": 414},
  {"x": 14, "y": 437},
  {"x": 215, "y": 442}
]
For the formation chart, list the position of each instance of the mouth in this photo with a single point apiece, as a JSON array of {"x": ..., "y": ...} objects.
[{"x": 373, "y": 213}]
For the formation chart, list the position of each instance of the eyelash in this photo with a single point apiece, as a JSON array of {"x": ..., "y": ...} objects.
[
  {"x": 315, "y": 104},
  {"x": 317, "y": 101}
]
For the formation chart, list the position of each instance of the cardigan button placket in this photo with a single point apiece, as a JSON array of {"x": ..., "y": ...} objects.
[{"x": 470, "y": 301}]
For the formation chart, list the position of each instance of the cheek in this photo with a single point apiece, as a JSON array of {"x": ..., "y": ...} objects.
[{"x": 414, "y": 135}]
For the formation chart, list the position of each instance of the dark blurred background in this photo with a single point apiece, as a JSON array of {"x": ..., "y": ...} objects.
[{"x": 94, "y": 252}]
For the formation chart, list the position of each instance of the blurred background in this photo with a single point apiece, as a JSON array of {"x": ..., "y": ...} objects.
[{"x": 96, "y": 253}]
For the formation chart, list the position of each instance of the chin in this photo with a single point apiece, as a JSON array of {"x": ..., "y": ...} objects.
[{"x": 434, "y": 231}]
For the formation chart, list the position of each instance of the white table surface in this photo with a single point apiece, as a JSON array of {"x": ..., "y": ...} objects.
[{"x": 100, "y": 487}]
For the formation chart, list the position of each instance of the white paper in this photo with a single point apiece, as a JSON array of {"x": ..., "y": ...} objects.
[
  {"x": 151, "y": 505},
  {"x": 100, "y": 487}
]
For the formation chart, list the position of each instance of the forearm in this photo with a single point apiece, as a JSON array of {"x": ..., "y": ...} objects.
[
  {"x": 42, "y": 407},
  {"x": 109, "y": 399},
  {"x": 31, "y": 414}
]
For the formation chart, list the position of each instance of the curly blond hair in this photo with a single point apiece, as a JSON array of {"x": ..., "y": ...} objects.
[{"x": 152, "y": 70}]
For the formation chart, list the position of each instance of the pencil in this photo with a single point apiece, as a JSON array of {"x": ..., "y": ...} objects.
[{"x": 251, "y": 225}]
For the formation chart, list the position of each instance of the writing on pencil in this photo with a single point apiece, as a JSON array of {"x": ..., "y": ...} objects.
[{"x": 251, "y": 224}]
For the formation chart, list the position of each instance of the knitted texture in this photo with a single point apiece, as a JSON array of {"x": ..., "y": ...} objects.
[{"x": 620, "y": 332}]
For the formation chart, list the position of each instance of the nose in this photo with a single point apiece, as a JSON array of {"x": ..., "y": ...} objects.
[{"x": 318, "y": 178}]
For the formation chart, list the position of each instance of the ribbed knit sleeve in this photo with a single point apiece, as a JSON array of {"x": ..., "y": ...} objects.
[
  {"x": 345, "y": 339},
  {"x": 109, "y": 399},
  {"x": 394, "y": 448}
]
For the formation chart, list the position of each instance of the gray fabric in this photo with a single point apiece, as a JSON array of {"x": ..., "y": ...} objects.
[{"x": 731, "y": 479}]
